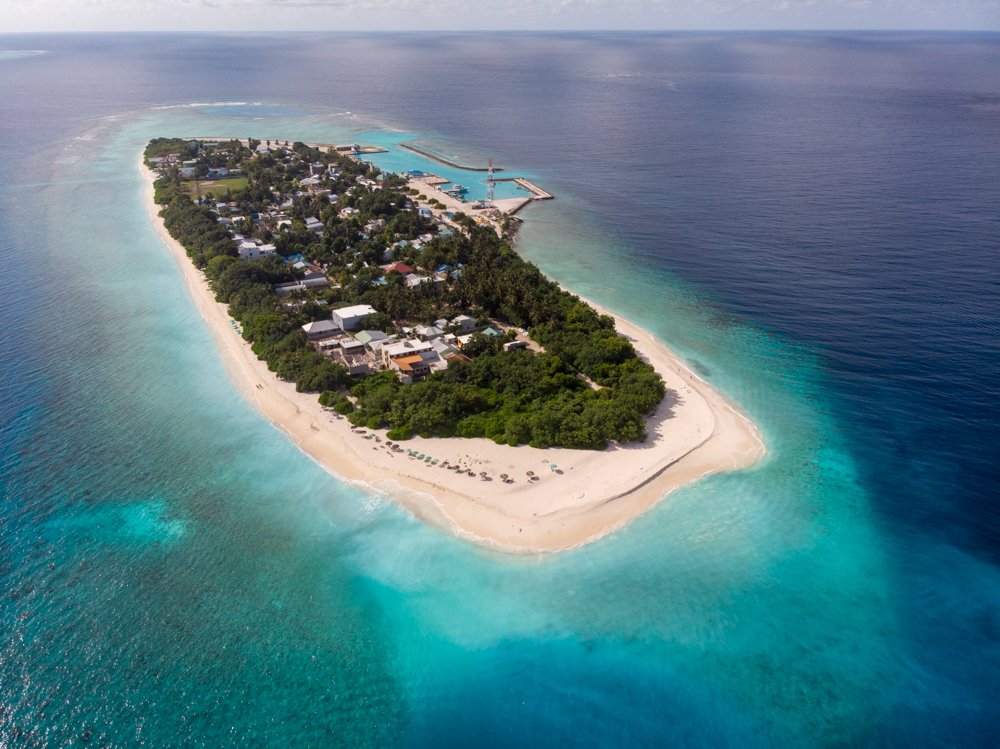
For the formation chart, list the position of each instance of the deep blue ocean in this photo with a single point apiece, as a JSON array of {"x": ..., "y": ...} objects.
[{"x": 812, "y": 220}]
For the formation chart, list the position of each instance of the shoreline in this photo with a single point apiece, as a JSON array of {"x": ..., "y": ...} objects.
[{"x": 694, "y": 432}]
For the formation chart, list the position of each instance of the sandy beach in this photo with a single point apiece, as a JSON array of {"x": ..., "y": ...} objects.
[{"x": 694, "y": 432}]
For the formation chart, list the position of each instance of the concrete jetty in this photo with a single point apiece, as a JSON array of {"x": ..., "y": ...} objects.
[{"x": 441, "y": 160}]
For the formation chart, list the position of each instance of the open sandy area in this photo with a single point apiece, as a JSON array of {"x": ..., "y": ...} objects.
[{"x": 588, "y": 494}]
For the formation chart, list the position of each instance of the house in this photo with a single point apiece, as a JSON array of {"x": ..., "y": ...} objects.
[
  {"x": 443, "y": 348},
  {"x": 321, "y": 329},
  {"x": 369, "y": 337},
  {"x": 250, "y": 250},
  {"x": 349, "y": 318},
  {"x": 314, "y": 279},
  {"x": 462, "y": 340},
  {"x": 405, "y": 347},
  {"x": 514, "y": 345},
  {"x": 401, "y": 268},
  {"x": 314, "y": 224},
  {"x": 412, "y": 279},
  {"x": 464, "y": 323},
  {"x": 413, "y": 360},
  {"x": 411, "y": 368},
  {"x": 352, "y": 346},
  {"x": 428, "y": 331}
]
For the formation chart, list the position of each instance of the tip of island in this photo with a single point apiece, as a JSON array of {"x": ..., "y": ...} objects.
[{"x": 385, "y": 324}]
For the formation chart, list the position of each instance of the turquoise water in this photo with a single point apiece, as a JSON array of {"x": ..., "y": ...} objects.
[
  {"x": 175, "y": 573},
  {"x": 401, "y": 160},
  {"x": 233, "y": 497}
]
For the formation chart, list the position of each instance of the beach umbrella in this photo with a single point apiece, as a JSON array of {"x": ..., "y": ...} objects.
[
  {"x": 503, "y": 476},
  {"x": 531, "y": 473}
]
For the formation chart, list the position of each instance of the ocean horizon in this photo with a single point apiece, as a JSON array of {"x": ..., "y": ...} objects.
[{"x": 809, "y": 219}]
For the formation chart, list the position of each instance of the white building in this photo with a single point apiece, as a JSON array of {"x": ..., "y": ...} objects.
[
  {"x": 464, "y": 323},
  {"x": 349, "y": 318},
  {"x": 250, "y": 250},
  {"x": 405, "y": 347}
]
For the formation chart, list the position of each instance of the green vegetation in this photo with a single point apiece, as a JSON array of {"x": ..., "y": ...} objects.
[
  {"x": 337, "y": 401},
  {"x": 586, "y": 388},
  {"x": 520, "y": 397},
  {"x": 160, "y": 147}
]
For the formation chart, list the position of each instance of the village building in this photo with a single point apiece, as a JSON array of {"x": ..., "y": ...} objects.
[
  {"x": 464, "y": 323},
  {"x": 349, "y": 318},
  {"x": 321, "y": 329},
  {"x": 249, "y": 249}
]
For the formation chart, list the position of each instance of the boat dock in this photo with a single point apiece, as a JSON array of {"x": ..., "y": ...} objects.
[{"x": 537, "y": 193}]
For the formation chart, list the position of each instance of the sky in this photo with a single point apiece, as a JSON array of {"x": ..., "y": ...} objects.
[{"x": 316, "y": 15}]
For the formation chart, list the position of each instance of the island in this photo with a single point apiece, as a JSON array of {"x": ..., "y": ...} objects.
[{"x": 387, "y": 325}]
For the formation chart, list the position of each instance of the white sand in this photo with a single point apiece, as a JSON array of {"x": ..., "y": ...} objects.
[{"x": 696, "y": 433}]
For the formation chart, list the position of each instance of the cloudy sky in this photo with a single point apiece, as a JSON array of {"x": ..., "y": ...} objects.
[{"x": 249, "y": 15}]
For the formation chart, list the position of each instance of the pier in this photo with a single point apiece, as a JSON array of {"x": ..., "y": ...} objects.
[
  {"x": 441, "y": 160},
  {"x": 537, "y": 193}
]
